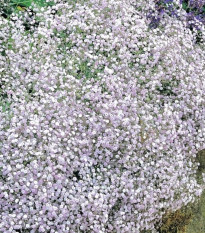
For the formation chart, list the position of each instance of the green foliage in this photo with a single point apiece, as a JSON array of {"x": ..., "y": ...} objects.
[
  {"x": 28, "y": 3},
  {"x": 25, "y": 3},
  {"x": 5, "y": 105},
  {"x": 184, "y": 5},
  {"x": 16, "y": 6},
  {"x": 85, "y": 70}
]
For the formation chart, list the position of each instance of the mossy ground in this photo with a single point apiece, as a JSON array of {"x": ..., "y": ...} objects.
[
  {"x": 189, "y": 219},
  {"x": 197, "y": 223},
  {"x": 176, "y": 222}
]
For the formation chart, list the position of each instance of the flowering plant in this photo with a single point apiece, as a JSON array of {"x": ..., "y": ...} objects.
[
  {"x": 194, "y": 12},
  {"x": 102, "y": 117}
]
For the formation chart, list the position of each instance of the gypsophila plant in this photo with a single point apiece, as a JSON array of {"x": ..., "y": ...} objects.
[{"x": 101, "y": 117}]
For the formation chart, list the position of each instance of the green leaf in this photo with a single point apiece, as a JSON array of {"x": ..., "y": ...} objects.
[
  {"x": 5, "y": 105},
  {"x": 184, "y": 5},
  {"x": 27, "y": 3}
]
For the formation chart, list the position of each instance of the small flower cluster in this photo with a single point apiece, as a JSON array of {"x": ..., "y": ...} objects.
[
  {"x": 193, "y": 11},
  {"x": 101, "y": 118}
]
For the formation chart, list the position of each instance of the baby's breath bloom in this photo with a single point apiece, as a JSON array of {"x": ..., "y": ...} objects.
[{"x": 101, "y": 117}]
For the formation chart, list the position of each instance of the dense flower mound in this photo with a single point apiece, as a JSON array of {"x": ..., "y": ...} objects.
[{"x": 101, "y": 118}]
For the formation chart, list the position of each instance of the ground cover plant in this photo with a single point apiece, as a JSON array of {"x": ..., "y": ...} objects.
[{"x": 102, "y": 116}]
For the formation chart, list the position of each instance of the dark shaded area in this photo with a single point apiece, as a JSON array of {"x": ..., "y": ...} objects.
[
  {"x": 186, "y": 117},
  {"x": 166, "y": 89},
  {"x": 25, "y": 230},
  {"x": 31, "y": 91},
  {"x": 77, "y": 175},
  {"x": 5, "y": 10},
  {"x": 27, "y": 23},
  {"x": 200, "y": 158},
  {"x": 115, "y": 208},
  {"x": 199, "y": 38}
]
